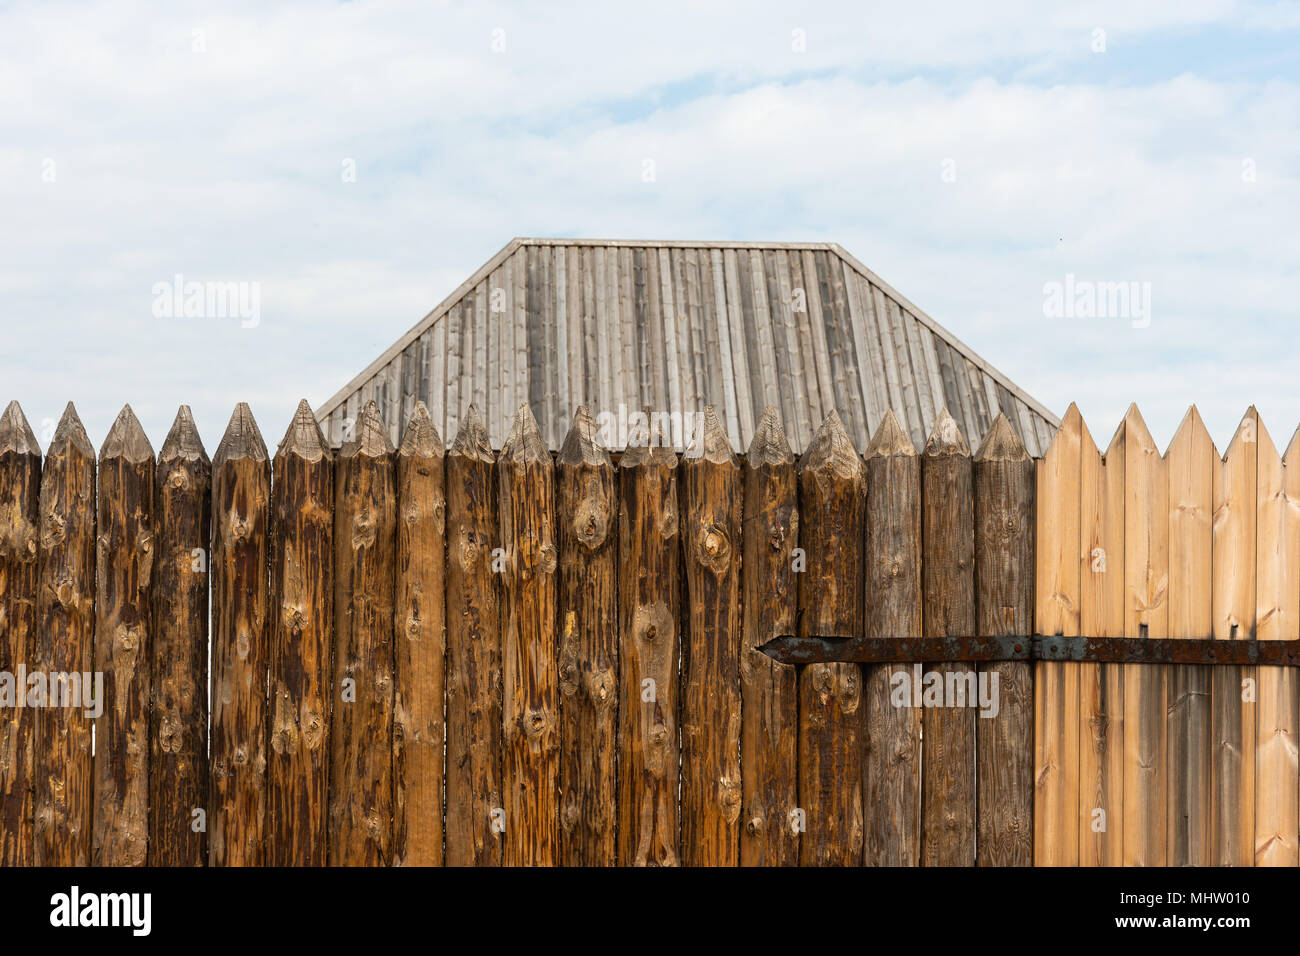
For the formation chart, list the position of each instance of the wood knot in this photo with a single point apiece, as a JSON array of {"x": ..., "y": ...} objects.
[
  {"x": 179, "y": 479},
  {"x": 714, "y": 549}
]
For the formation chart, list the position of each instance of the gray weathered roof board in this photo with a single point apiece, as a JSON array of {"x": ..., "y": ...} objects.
[{"x": 804, "y": 327}]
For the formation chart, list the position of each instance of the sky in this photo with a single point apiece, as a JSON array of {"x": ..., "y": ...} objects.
[{"x": 348, "y": 165}]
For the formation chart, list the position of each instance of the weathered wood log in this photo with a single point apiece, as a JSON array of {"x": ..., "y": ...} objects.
[
  {"x": 64, "y": 778},
  {"x": 419, "y": 646},
  {"x": 122, "y": 643},
  {"x": 361, "y": 733},
  {"x": 947, "y": 608},
  {"x": 529, "y": 649},
  {"x": 301, "y": 643},
  {"x": 649, "y": 597},
  {"x": 587, "y": 517},
  {"x": 178, "y": 757},
  {"x": 20, "y": 495},
  {"x": 832, "y": 509},
  {"x": 712, "y": 497},
  {"x": 241, "y": 503},
  {"x": 891, "y": 783},
  {"x": 475, "y": 815},
  {"x": 1005, "y": 483},
  {"x": 769, "y": 736}
]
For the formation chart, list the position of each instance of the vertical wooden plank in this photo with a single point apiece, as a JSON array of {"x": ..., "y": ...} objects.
[
  {"x": 1190, "y": 460},
  {"x": 1234, "y": 605},
  {"x": 122, "y": 643},
  {"x": 458, "y": 341},
  {"x": 241, "y": 501},
  {"x": 671, "y": 349},
  {"x": 63, "y": 780},
  {"x": 302, "y": 642},
  {"x": 530, "y": 695},
  {"x": 1101, "y": 686},
  {"x": 419, "y": 646},
  {"x": 745, "y": 376},
  {"x": 1056, "y": 686},
  {"x": 20, "y": 495},
  {"x": 805, "y": 351},
  {"x": 892, "y": 766},
  {"x": 474, "y": 807},
  {"x": 712, "y": 496},
  {"x": 865, "y": 347},
  {"x": 649, "y": 598},
  {"x": 832, "y": 511},
  {"x": 178, "y": 759},
  {"x": 361, "y": 729},
  {"x": 1004, "y": 588},
  {"x": 948, "y": 608},
  {"x": 769, "y": 691},
  {"x": 563, "y": 373},
  {"x": 602, "y": 323},
  {"x": 1146, "y": 615},
  {"x": 817, "y": 330},
  {"x": 587, "y": 516},
  {"x": 1277, "y": 800}
]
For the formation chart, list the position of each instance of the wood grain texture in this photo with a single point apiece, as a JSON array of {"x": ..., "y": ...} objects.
[
  {"x": 529, "y": 647},
  {"x": 1005, "y": 514},
  {"x": 361, "y": 729},
  {"x": 587, "y": 519},
  {"x": 891, "y": 783},
  {"x": 63, "y": 778},
  {"x": 474, "y": 802},
  {"x": 769, "y": 690},
  {"x": 301, "y": 645},
  {"x": 948, "y": 608},
  {"x": 20, "y": 495},
  {"x": 649, "y": 597},
  {"x": 126, "y": 550},
  {"x": 832, "y": 507},
  {"x": 712, "y": 498},
  {"x": 419, "y": 646},
  {"x": 178, "y": 740}
]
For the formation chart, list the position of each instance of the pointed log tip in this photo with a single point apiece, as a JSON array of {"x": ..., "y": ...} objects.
[
  {"x": 1001, "y": 443},
  {"x": 946, "y": 439},
  {"x": 304, "y": 439},
  {"x": 472, "y": 439},
  {"x": 126, "y": 439},
  {"x": 71, "y": 433},
  {"x": 242, "y": 438},
  {"x": 183, "y": 439},
  {"x": 770, "y": 446},
  {"x": 708, "y": 440},
  {"x": 525, "y": 442},
  {"x": 647, "y": 444},
  {"x": 370, "y": 435},
  {"x": 832, "y": 449},
  {"x": 581, "y": 446},
  {"x": 890, "y": 439},
  {"x": 421, "y": 438},
  {"x": 16, "y": 434}
]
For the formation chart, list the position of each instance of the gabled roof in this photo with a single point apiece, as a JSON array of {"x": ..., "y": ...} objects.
[{"x": 804, "y": 327}]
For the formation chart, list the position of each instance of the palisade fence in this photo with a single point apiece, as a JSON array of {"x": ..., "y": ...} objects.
[{"x": 419, "y": 655}]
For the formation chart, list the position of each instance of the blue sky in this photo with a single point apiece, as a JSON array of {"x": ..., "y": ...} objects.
[{"x": 968, "y": 153}]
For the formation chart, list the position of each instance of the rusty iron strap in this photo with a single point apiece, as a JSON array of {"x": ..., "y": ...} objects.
[{"x": 789, "y": 649}]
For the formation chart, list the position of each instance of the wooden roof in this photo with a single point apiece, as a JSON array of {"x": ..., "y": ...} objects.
[{"x": 804, "y": 327}]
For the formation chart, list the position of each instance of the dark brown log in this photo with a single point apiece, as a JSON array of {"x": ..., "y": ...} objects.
[
  {"x": 891, "y": 783},
  {"x": 241, "y": 503},
  {"x": 769, "y": 736},
  {"x": 529, "y": 649},
  {"x": 365, "y": 554},
  {"x": 649, "y": 597},
  {"x": 64, "y": 779},
  {"x": 587, "y": 516},
  {"x": 419, "y": 646},
  {"x": 1005, "y": 487},
  {"x": 122, "y": 643},
  {"x": 301, "y": 644},
  {"x": 712, "y": 497},
  {"x": 475, "y": 815},
  {"x": 178, "y": 758},
  {"x": 832, "y": 506},
  {"x": 20, "y": 496},
  {"x": 948, "y": 607}
]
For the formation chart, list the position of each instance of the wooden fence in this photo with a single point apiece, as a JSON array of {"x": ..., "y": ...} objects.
[{"x": 427, "y": 656}]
